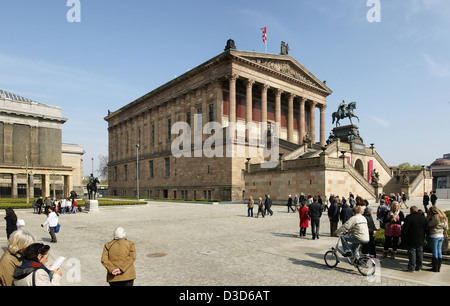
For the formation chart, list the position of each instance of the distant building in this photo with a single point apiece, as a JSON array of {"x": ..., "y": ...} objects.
[
  {"x": 31, "y": 150},
  {"x": 441, "y": 176}
]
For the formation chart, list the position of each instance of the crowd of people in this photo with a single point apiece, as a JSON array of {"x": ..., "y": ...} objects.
[
  {"x": 358, "y": 227},
  {"x": 60, "y": 206}
]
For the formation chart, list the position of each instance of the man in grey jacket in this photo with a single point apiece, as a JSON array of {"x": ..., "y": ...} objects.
[{"x": 357, "y": 231}]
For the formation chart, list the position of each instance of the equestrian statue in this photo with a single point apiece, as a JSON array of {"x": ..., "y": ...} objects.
[
  {"x": 345, "y": 111},
  {"x": 92, "y": 186}
]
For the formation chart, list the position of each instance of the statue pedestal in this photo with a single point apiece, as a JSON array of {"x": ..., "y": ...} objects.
[
  {"x": 91, "y": 206},
  {"x": 378, "y": 189}
]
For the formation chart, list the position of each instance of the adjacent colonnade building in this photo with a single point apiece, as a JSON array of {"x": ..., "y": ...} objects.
[{"x": 32, "y": 155}]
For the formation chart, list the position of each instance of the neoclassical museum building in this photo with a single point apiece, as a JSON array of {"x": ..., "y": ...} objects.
[
  {"x": 237, "y": 87},
  {"x": 33, "y": 160}
]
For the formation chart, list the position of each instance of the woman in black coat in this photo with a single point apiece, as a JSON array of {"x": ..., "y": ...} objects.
[{"x": 11, "y": 221}]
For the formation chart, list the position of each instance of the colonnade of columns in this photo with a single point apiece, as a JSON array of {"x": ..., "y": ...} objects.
[
  {"x": 45, "y": 185},
  {"x": 304, "y": 103}
]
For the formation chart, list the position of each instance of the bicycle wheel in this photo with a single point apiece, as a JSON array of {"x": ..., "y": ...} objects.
[
  {"x": 331, "y": 259},
  {"x": 366, "y": 266}
]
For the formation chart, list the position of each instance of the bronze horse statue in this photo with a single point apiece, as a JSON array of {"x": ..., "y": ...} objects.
[
  {"x": 92, "y": 186},
  {"x": 345, "y": 111}
]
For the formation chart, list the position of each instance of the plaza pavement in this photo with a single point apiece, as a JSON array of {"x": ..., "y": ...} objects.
[{"x": 186, "y": 244}]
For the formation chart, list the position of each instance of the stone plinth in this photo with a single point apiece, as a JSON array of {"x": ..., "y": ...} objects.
[
  {"x": 91, "y": 206},
  {"x": 348, "y": 133}
]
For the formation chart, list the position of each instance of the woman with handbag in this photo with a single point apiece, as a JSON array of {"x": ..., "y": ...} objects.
[
  {"x": 393, "y": 231},
  {"x": 438, "y": 223}
]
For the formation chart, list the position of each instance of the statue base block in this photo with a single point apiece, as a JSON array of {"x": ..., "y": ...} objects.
[{"x": 91, "y": 206}]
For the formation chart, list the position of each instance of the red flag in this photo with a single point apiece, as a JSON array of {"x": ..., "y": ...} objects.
[{"x": 264, "y": 37}]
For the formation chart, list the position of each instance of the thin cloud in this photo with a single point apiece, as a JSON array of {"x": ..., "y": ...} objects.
[
  {"x": 440, "y": 70},
  {"x": 381, "y": 121}
]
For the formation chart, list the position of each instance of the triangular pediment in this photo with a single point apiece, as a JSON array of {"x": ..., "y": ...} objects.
[{"x": 283, "y": 65}]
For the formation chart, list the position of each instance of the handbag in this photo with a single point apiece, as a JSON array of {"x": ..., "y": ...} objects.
[
  {"x": 445, "y": 244},
  {"x": 57, "y": 228}
]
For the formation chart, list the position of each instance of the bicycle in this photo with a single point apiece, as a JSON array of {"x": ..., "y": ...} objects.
[{"x": 364, "y": 263}]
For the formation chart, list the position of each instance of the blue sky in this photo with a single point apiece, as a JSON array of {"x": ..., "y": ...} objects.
[{"x": 398, "y": 69}]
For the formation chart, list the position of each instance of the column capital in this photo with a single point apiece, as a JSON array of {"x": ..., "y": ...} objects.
[
  {"x": 250, "y": 82},
  {"x": 292, "y": 96},
  {"x": 323, "y": 106},
  {"x": 264, "y": 87},
  {"x": 232, "y": 77},
  {"x": 278, "y": 92}
]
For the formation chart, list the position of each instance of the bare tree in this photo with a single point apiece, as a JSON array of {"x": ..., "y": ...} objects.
[{"x": 103, "y": 166}]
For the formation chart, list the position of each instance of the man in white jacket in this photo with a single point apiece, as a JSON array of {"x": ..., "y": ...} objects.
[
  {"x": 51, "y": 222},
  {"x": 357, "y": 231}
]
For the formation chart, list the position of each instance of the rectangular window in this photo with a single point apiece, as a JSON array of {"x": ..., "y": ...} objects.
[
  {"x": 166, "y": 167},
  {"x": 126, "y": 172},
  {"x": 211, "y": 112},
  {"x": 169, "y": 128},
  {"x": 151, "y": 169},
  {"x": 188, "y": 118}
]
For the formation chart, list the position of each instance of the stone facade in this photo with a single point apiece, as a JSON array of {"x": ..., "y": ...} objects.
[
  {"x": 234, "y": 87},
  {"x": 31, "y": 148}
]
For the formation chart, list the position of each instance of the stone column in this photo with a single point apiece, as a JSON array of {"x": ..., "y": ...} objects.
[
  {"x": 322, "y": 125},
  {"x": 45, "y": 185},
  {"x": 249, "y": 104},
  {"x": 301, "y": 130},
  {"x": 278, "y": 106},
  {"x": 30, "y": 185},
  {"x": 291, "y": 118},
  {"x": 14, "y": 192},
  {"x": 313, "y": 121},
  {"x": 264, "y": 89},
  {"x": 232, "y": 112}
]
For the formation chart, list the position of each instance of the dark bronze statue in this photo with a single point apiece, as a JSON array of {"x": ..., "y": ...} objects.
[
  {"x": 345, "y": 111},
  {"x": 92, "y": 186}
]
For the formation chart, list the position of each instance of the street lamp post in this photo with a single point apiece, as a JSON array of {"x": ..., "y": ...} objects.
[{"x": 137, "y": 170}]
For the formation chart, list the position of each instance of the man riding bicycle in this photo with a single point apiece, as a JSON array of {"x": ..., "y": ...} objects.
[{"x": 357, "y": 231}]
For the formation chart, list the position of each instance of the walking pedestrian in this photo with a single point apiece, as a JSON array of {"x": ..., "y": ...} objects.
[
  {"x": 11, "y": 221},
  {"x": 315, "y": 212},
  {"x": 303, "y": 213},
  {"x": 393, "y": 230},
  {"x": 39, "y": 204},
  {"x": 382, "y": 211},
  {"x": 51, "y": 222},
  {"x": 118, "y": 258},
  {"x": 426, "y": 202},
  {"x": 404, "y": 199},
  {"x": 433, "y": 198},
  {"x": 260, "y": 208},
  {"x": 289, "y": 204},
  {"x": 296, "y": 203},
  {"x": 268, "y": 205},
  {"x": 414, "y": 230},
  {"x": 438, "y": 223},
  {"x": 370, "y": 247},
  {"x": 333, "y": 216},
  {"x": 250, "y": 207},
  {"x": 346, "y": 212},
  {"x": 12, "y": 258}
]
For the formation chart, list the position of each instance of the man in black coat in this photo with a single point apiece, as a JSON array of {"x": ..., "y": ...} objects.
[
  {"x": 315, "y": 212},
  {"x": 333, "y": 215},
  {"x": 414, "y": 230}
]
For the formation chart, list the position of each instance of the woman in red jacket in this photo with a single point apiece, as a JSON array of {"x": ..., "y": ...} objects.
[{"x": 304, "y": 218}]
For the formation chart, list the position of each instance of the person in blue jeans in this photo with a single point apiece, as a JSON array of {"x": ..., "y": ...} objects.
[{"x": 438, "y": 224}]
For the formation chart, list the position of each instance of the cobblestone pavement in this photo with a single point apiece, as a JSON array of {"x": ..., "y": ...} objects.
[{"x": 185, "y": 244}]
